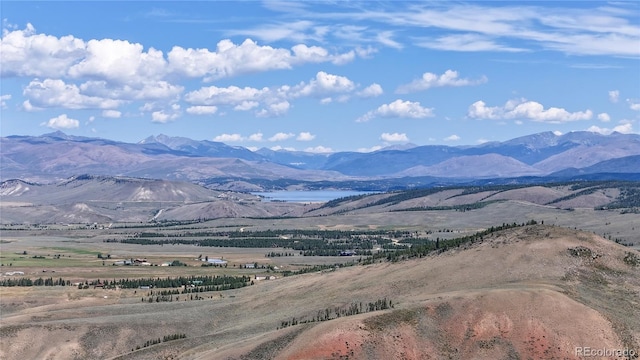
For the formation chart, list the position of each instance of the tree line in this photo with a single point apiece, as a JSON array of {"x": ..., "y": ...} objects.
[
  {"x": 176, "y": 336},
  {"x": 224, "y": 282},
  {"x": 440, "y": 245},
  {"x": 37, "y": 282},
  {"x": 335, "y": 312}
]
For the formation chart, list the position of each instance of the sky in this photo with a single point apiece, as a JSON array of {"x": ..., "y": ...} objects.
[{"x": 322, "y": 76}]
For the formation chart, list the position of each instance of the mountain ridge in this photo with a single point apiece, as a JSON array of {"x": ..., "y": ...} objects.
[{"x": 56, "y": 156}]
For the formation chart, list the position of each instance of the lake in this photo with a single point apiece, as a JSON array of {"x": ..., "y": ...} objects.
[{"x": 308, "y": 196}]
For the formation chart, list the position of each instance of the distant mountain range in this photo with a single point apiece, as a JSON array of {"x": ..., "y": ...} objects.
[{"x": 55, "y": 156}]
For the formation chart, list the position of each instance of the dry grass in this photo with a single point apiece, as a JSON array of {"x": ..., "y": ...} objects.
[{"x": 520, "y": 294}]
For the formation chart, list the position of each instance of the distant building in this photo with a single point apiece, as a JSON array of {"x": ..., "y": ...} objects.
[
  {"x": 12, "y": 273},
  {"x": 216, "y": 261},
  {"x": 262, "y": 277},
  {"x": 250, "y": 266}
]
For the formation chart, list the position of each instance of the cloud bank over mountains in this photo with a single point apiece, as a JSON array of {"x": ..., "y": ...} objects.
[{"x": 440, "y": 72}]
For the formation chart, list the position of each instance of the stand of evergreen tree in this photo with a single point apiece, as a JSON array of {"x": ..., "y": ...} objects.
[{"x": 335, "y": 312}]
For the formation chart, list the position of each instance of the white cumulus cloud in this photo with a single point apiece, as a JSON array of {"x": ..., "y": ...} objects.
[
  {"x": 323, "y": 84},
  {"x": 319, "y": 149},
  {"x": 246, "y": 105},
  {"x": 232, "y": 95},
  {"x": 604, "y": 117},
  {"x": 634, "y": 104},
  {"x": 113, "y": 114},
  {"x": 276, "y": 101},
  {"x": 430, "y": 80},
  {"x": 229, "y": 59},
  {"x": 161, "y": 117},
  {"x": 56, "y": 93},
  {"x": 274, "y": 109},
  {"x": 614, "y": 96},
  {"x": 25, "y": 53},
  {"x": 281, "y": 136},
  {"x": 372, "y": 90},
  {"x": 523, "y": 109},
  {"x": 62, "y": 122},
  {"x": 278, "y": 148},
  {"x": 3, "y": 100},
  {"x": 166, "y": 115},
  {"x": 311, "y": 54},
  {"x": 143, "y": 90},
  {"x": 371, "y": 149},
  {"x": 114, "y": 72},
  {"x": 394, "y": 137},
  {"x": 398, "y": 109},
  {"x": 228, "y": 138},
  {"x": 202, "y": 110},
  {"x": 453, "y": 137},
  {"x": 119, "y": 61},
  {"x": 242, "y": 99},
  {"x": 305, "y": 136},
  {"x": 625, "y": 128}
]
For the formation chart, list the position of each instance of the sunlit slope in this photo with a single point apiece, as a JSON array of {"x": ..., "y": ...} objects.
[
  {"x": 530, "y": 292},
  {"x": 535, "y": 292}
]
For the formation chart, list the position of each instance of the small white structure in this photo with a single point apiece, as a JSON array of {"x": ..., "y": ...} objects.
[
  {"x": 12, "y": 273},
  {"x": 216, "y": 261},
  {"x": 262, "y": 277}
]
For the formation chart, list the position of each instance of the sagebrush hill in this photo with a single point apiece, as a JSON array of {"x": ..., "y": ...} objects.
[{"x": 534, "y": 291}]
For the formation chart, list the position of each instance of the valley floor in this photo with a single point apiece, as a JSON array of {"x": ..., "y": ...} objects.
[{"x": 541, "y": 292}]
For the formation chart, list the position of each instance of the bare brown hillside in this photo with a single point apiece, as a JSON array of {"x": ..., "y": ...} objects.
[{"x": 534, "y": 292}]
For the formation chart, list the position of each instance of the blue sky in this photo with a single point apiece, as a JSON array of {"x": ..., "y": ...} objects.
[{"x": 320, "y": 76}]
